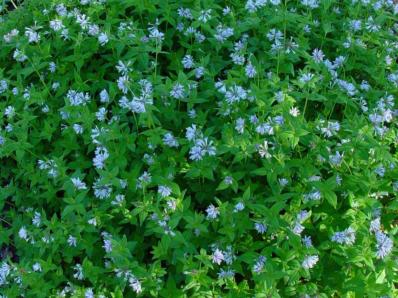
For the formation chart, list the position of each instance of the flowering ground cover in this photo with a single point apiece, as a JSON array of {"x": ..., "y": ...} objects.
[{"x": 198, "y": 148}]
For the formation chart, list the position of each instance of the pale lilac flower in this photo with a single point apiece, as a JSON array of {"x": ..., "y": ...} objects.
[
  {"x": 32, "y": 35},
  {"x": 228, "y": 180},
  {"x": 259, "y": 265},
  {"x": 103, "y": 39},
  {"x": 72, "y": 241},
  {"x": 177, "y": 91},
  {"x": 235, "y": 94},
  {"x": 78, "y": 128},
  {"x": 192, "y": 133},
  {"x": 307, "y": 241},
  {"x": 170, "y": 140},
  {"x": 223, "y": 33},
  {"x": 37, "y": 267},
  {"x": 9, "y": 111},
  {"x": 102, "y": 191},
  {"x": 23, "y": 233},
  {"x": 88, "y": 293},
  {"x": 52, "y": 67},
  {"x": 239, "y": 207},
  {"x": 164, "y": 191},
  {"x": 217, "y": 257},
  {"x": 298, "y": 228},
  {"x": 101, "y": 114},
  {"x": 263, "y": 150},
  {"x": 78, "y": 274},
  {"x": 336, "y": 159},
  {"x": 205, "y": 15},
  {"x": 201, "y": 148},
  {"x": 212, "y": 212},
  {"x": 144, "y": 179},
  {"x": 384, "y": 245},
  {"x": 313, "y": 195},
  {"x": 119, "y": 199},
  {"x": 199, "y": 72},
  {"x": 228, "y": 273},
  {"x": 250, "y": 70},
  {"x": 36, "y": 221},
  {"x": 240, "y": 125},
  {"x": 19, "y": 56},
  {"x": 345, "y": 237},
  {"x": 283, "y": 182},
  {"x": 77, "y": 98},
  {"x": 260, "y": 227},
  {"x": 123, "y": 68},
  {"x": 306, "y": 77},
  {"x": 310, "y": 261},
  {"x": 135, "y": 284},
  {"x": 92, "y": 221},
  {"x": 237, "y": 58},
  {"x": 188, "y": 62},
  {"x": 78, "y": 183},
  {"x": 56, "y": 25},
  {"x": 104, "y": 96},
  {"x": 101, "y": 155},
  {"x": 123, "y": 83},
  {"x": 318, "y": 55}
]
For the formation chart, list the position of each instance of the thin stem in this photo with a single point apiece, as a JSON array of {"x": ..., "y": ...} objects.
[
  {"x": 13, "y": 4},
  {"x": 136, "y": 122},
  {"x": 2, "y": 219},
  {"x": 305, "y": 106}
]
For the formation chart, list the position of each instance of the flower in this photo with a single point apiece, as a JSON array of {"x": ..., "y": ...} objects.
[
  {"x": 345, "y": 237},
  {"x": 263, "y": 150},
  {"x": 177, "y": 91},
  {"x": 123, "y": 83},
  {"x": 23, "y": 233},
  {"x": 32, "y": 35},
  {"x": 170, "y": 140},
  {"x": 102, "y": 191},
  {"x": 101, "y": 155},
  {"x": 36, "y": 219},
  {"x": 318, "y": 55},
  {"x": 212, "y": 212},
  {"x": 135, "y": 284},
  {"x": 78, "y": 184},
  {"x": 307, "y": 241},
  {"x": 223, "y": 33},
  {"x": 239, "y": 207},
  {"x": 188, "y": 62},
  {"x": 384, "y": 245},
  {"x": 235, "y": 94},
  {"x": 250, "y": 70},
  {"x": 294, "y": 111},
  {"x": 201, "y": 148},
  {"x": 77, "y": 98},
  {"x": 52, "y": 67},
  {"x": 259, "y": 265},
  {"x": 78, "y": 274},
  {"x": 217, "y": 257},
  {"x": 72, "y": 241},
  {"x": 260, "y": 227},
  {"x": 164, "y": 191},
  {"x": 103, "y": 39},
  {"x": 56, "y": 25},
  {"x": 36, "y": 267},
  {"x": 310, "y": 261}
]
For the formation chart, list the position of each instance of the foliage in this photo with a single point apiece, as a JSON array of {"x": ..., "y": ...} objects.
[{"x": 198, "y": 148}]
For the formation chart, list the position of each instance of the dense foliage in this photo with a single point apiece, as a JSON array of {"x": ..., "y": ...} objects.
[{"x": 198, "y": 148}]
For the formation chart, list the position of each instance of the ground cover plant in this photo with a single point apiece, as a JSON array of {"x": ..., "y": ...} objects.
[{"x": 198, "y": 148}]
